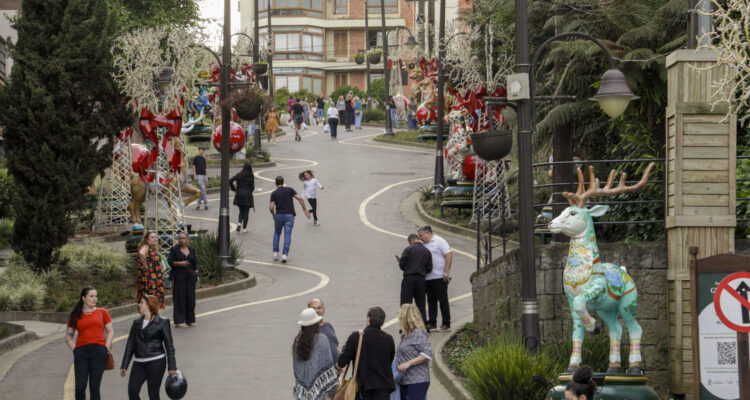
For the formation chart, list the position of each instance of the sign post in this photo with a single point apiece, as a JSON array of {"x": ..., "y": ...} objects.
[
  {"x": 733, "y": 309},
  {"x": 720, "y": 309}
]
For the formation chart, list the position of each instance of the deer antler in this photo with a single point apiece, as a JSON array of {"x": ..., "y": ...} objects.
[{"x": 578, "y": 199}]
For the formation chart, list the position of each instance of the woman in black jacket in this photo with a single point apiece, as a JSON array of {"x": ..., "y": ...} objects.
[
  {"x": 183, "y": 274},
  {"x": 243, "y": 197},
  {"x": 150, "y": 341}
]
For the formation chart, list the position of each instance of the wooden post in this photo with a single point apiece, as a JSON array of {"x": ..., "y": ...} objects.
[{"x": 700, "y": 198}]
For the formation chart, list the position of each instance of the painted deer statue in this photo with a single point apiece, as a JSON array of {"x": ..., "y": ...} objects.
[{"x": 593, "y": 285}]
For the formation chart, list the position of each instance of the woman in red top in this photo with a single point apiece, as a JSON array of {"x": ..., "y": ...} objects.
[
  {"x": 150, "y": 271},
  {"x": 94, "y": 341}
]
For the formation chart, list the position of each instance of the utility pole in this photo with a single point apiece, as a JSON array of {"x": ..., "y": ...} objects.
[
  {"x": 386, "y": 72},
  {"x": 269, "y": 74},
  {"x": 367, "y": 48},
  {"x": 256, "y": 50},
  {"x": 225, "y": 119}
]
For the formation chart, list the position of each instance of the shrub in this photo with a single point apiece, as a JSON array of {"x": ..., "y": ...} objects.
[
  {"x": 280, "y": 98},
  {"x": 6, "y": 232},
  {"x": 29, "y": 296},
  {"x": 207, "y": 252},
  {"x": 7, "y": 193},
  {"x": 344, "y": 90},
  {"x": 373, "y": 115},
  {"x": 6, "y": 300},
  {"x": 82, "y": 260},
  {"x": 594, "y": 353},
  {"x": 251, "y": 152},
  {"x": 377, "y": 90},
  {"x": 503, "y": 370}
]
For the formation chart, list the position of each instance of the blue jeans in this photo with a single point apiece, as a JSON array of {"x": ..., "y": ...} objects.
[
  {"x": 412, "y": 121},
  {"x": 394, "y": 118},
  {"x": 415, "y": 391},
  {"x": 285, "y": 221},
  {"x": 358, "y": 120},
  {"x": 202, "y": 186}
]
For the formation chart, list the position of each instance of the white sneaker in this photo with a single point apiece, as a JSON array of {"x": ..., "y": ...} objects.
[
  {"x": 283, "y": 258},
  {"x": 275, "y": 255},
  {"x": 244, "y": 231}
]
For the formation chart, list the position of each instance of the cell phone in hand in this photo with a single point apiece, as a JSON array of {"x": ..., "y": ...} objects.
[{"x": 397, "y": 258}]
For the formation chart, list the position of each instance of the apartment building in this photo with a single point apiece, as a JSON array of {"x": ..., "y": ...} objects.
[
  {"x": 8, "y": 9},
  {"x": 314, "y": 40}
]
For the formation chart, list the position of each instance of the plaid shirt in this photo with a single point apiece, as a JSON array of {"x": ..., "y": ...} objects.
[{"x": 410, "y": 347}]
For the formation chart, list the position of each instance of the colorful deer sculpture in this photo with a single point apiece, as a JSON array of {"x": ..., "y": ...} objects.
[{"x": 592, "y": 285}]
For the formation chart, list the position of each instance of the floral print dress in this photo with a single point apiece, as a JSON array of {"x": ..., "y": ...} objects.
[{"x": 150, "y": 278}]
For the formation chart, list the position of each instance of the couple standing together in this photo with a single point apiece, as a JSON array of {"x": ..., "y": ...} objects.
[{"x": 426, "y": 263}]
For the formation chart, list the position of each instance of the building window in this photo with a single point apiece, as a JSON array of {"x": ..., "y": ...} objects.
[
  {"x": 317, "y": 85},
  {"x": 340, "y": 7},
  {"x": 286, "y": 42},
  {"x": 310, "y": 8},
  {"x": 391, "y": 6},
  {"x": 289, "y": 82},
  {"x": 376, "y": 38},
  {"x": 340, "y": 80},
  {"x": 339, "y": 44}
]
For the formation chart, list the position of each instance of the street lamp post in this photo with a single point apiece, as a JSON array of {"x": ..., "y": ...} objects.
[
  {"x": 270, "y": 52},
  {"x": 367, "y": 59},
  {"x": 386, "y": 72},
  {"x": 223, "y": 235},
  {"x": 439, "y": 178},
  {"x": 613, "y": 97}
]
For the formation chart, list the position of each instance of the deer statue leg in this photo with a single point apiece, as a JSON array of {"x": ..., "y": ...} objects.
[
  {"x": 615, "y": 338},
  {"x": 575, "y": 356},
  {"x": 627, "y": 313},
  {"x": 589, "y": 292},
  {"x": 190, "y": 189}
]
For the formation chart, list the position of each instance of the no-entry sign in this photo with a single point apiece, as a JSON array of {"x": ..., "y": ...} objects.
[{"x": 731, "y": 301}]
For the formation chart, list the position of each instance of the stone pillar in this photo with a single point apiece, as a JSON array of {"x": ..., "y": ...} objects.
[{"x": 700, "y": 198}]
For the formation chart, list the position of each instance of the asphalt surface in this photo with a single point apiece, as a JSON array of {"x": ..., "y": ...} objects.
[{"x": 241, "y": 348}]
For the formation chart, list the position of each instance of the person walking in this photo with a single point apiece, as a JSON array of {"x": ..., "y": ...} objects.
[
  {"x": 309, "y": 192},
  {"x": 298, "y": 115},
  {"x": 150, "y": 341},
  {"x": 394, "y": 112},
  {"x": 333, "y": 121},
  {"x": 416, "y": 262},
  {"x": 305, "y": 111},
  {"x": 341, "y": 107},
  {"x": 199, "y": 174},
  {"x": 412, "y": 116},
  {"x": 314, "y": 375},
  {"x": 320, "y": 110},
  {"x": 183, "y": 274},
  {"x": 272, "y": 125},
  {"x": 282, "y": 210},
  {"x": 349, "y": 109},
  {"x": 374, "y": 375},
  {"x": 326, "y": 328},
  {"x": 92, "y": 345},
  {"x": 150, "y": 268},
  {"x": 357, "y": 113},
  {"x": 289, "y": 105},
  {"x": 436, "y": 282},
  {"x": 243, "y": 197},
  {"x": 413, "y": 355}
]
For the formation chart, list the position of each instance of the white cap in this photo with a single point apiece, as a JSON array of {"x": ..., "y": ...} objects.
[{"x": 308, "y": 317}]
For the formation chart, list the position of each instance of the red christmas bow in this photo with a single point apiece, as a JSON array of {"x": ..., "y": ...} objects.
[{"x": 148, "y": 123}]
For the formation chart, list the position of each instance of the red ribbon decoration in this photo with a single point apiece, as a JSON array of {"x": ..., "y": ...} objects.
[
  {"x": 148, "y": 122},
  {"x": 125, "y": 134}
]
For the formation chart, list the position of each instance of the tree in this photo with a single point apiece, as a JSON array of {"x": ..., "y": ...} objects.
[
  {"x": 61, "y": 110},
  {"x": 151, "y": 13},
  {"x": 344, "y": 90}
]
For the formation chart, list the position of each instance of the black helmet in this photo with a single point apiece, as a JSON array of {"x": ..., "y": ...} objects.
[{"x": 176, "y": 386}]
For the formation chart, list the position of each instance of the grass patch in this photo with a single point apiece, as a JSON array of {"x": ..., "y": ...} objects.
[
  {"x": 455, "y": 216},
  {"x": 5, "y": 332},
  {"x": 405, "y": 136},
  {"x": 458, "y": 348}
]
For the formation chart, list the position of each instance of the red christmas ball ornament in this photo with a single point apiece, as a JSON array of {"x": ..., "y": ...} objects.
[
  {"x": 236, "y": 138},
  {"x": 139, "y": 153},
  {"x": 469, "y": 167},
  {"x": 423, "y": 114}
]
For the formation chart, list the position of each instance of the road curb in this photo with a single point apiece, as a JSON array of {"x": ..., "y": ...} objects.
[
  {"x": 16, "y": 340},
  {"x": 451, "y": 383},
  {"x": 401, "y": 143},
  {"x": 442, "y": 224},
  {"x": 115, "y": 312}
]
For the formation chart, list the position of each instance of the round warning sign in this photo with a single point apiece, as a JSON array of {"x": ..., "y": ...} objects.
[{"x": 732, "y": 301}]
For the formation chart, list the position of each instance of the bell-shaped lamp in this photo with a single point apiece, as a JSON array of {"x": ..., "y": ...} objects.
[
  {"x": 411, "y": 42},
  {"x": 614, "y": 95}
]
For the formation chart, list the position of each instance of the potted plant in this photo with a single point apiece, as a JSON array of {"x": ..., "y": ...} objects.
[
  {"x": 260, "y": 67},
  {"x": 246, "y": 101},
  {"x": 493, "y": 144},
  {"x": 359, "y": 58},
  {"x": 373, "y": 55}
]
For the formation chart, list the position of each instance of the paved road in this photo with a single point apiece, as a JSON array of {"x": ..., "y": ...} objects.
[{"x": 241, "y": 347}]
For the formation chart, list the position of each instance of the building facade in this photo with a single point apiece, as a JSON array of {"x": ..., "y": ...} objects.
[
  {"x": 8, "y": 9},
  {"x": 314, "y": 40}
]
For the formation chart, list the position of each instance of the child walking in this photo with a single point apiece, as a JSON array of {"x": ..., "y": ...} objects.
[{"x": 310, "y": 185}]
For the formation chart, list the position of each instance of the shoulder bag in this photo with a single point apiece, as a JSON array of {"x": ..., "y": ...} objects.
[
  {"x": 110, "y": 357},
  {"x": 347, "y": 389}
]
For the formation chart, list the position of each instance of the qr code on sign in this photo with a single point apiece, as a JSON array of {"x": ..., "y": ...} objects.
[{"x": 727, "y": 352}]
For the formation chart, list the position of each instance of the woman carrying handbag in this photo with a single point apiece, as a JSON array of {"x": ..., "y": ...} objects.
[{"x": 91, "y": 349}]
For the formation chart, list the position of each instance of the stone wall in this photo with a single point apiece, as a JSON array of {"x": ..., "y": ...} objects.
[{"x": 496, "y": 293}]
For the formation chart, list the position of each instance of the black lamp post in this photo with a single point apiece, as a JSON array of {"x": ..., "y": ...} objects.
[
  {"x": 386, "y": 73},
  {"x": 225, "y": 129},
  {"x": 613, "y": 97}
]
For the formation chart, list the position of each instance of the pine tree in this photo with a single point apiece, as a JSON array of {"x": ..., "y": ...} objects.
[{"x": 61, "y": 110}]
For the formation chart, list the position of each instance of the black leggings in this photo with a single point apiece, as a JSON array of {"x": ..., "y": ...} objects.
[
  {"x": 151, "y": 371},
  {"x": 244, "y": 213},
  {"x": 314, "y": 208},
  {"x": 89, "y": 362}
]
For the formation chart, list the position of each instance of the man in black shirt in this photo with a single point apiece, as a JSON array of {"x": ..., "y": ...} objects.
[
  {"x": 282, "y": 210},
  {"x": 416, "y": 262},
  {"x": 374, "y": 374},
  {"x": 298, "y": 116},
  {"x": 199, "y": 174}
]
